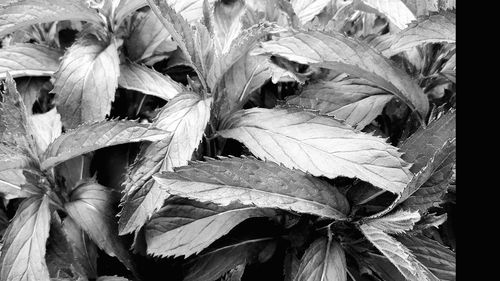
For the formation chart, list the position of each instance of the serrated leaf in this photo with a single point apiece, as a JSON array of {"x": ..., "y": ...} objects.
[
  {"x": 13, "y": 162},
  {"x": 84, "y": 250},
  {"x": 335, "y": 51},
  {"x": 16, "y": 14},
  {"x": 432, "y": 29},
  {"x": 397, "y": 222},
  {"x": 398, "y": 255},
  {"x": 395, "y": 10},
  {"x": 437, "y": 258},
  {"x": 28, "y": 60},
  {"x": 86, "y": 80},
  {"x": 91, "y": 207},
  {"x": 186, "y": 117},
  {"x": 306, "y": 10},
  {"x": 185, "y": 227},
  {"x": 46, "y": 128},
  {"x": 324, "y": 260},
  {"x": 23, "y": 250},
  {"x": 214, "y": 262},
  {"x": 356, "y": 101},
  {"x": 15, "y": 126},
  {"x": 256, "y": 183},
  {"x": 146, "y": 36},
  {"x": 318, "y": 145},
  {"x": 148, "y": 81},
  {"x": 93, "y": 136},
  {"x": 423, "y": 144}
]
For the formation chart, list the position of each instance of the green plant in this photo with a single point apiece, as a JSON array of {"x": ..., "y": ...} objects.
[{"x": 317, "y": 137}]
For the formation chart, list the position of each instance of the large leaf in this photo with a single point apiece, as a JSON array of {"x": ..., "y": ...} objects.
[
  {"x": 335, "y": 51},
  {"x": 148, "y": 81},
  {"x": 16, "y": 14},
  {"x": 28, "y": 60},
  {"x": 186, "y": 227},
  {"x": 318, "y": 145},
  {"x": 394, "y": 10},
  {"x": 214, "y": 262},
  {"x": 433, "y": 29},
  {"x": 23, "y": 250},
  {"x": 398, "y": 255},
  {"x": 324, "y": 260},
  {"x": 91, "y": 207},
  {"x": 437, "y": 258},
  {"x": 256, "y": 183},
  {"x": 356, "y": 101},
  {"x": 86, "y": 80},
  {"x": 93, "y": 136},
  {"x": 306, "y": 10}
]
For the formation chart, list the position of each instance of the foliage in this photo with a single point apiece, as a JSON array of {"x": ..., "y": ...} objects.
[{"x": 227, "y": 140}]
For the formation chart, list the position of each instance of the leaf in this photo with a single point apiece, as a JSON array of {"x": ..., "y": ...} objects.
[
  {"x": 86, "y": 80},
  {"x": 324, "y": 260},
  {"x": 84, "y": 250},
  {"x": 290, "y": 264},
  {"x": 185, "y": 227},
  {"x": 227, "y": 23},
  {"x": 306, "y": 10},
  {"x": 23, "y": 250},
  {"x": 234, "y": 274},
  {"x": 318, "y": 145},
  {"x": 256, "y": 183},
  {"x": 46, "y": 127},
  {"x": 437, "y": 258},
  {"x": 111, "y": 278},
  {"x": 248, "y": 74},
  {"x": 395, "y": 10},
  {"x": 17, "y": 14},
  {"x": 426, "y": 7},
  {"x": 423, "y": 144},
  {"x": 213, "y": 263},
  {"x": 28, "y": 60},
  {"x": 93, "y": 136},
  {"x": 91, "y": 208},
  {"x": 146, "y": 37},
  {"x": 335, "y": 51},
  {"x": 15, "y": 126},
  {"x": 186, "y": 117},
  {"x": 397, "y": 254},
  {"x": 13, "y": 162},
  {"x": 148, "y": 81},
  {"x": 383, "y": 268},
  {"x": 31, "y": 89},
  {"x": 397, "y": 222},
  {"x": 432, "y": 29},
  {"x": 356, "y": 101}
]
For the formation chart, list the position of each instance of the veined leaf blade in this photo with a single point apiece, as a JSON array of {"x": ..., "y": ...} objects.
[{"x": 28, "y": 60}]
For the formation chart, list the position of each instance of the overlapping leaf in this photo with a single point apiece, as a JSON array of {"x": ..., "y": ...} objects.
[
  {"x": 13, "y": 163},
  {"x": 28, "y": 60},
  {"x": 146, "y": 80},
  {"x": 395, "y": 10},
  {"x": 335, "y": 51},
  {"x": 23, "y": 250},
  {"x": 437, "y": 258},
  {"x": 397, "y": 222},
  {"x": 356, "y": 101},
  {"x": 91, "y": 207},
  {"x": 186, "y": 117},
  {"x": 398, "y": 255},
  {"x": 318, "y": 145},
  {"x": 214, "y": 262},
  {"x": 324, "y": 260},
  {"x": 86, "y": 80},
  {"x": 186, "y": 227},
  {"x": 227, "y": 23},
  {"x": 257, "y": 183},
  {"x": 16, "y": 14},
  {"x": 306, "y": 10},
  {"x": 46, "y": 128},
  {"x": 93, "y": 136},
  {"x": 84, "y": 250},
  {"x": 426, "y": 7}
]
